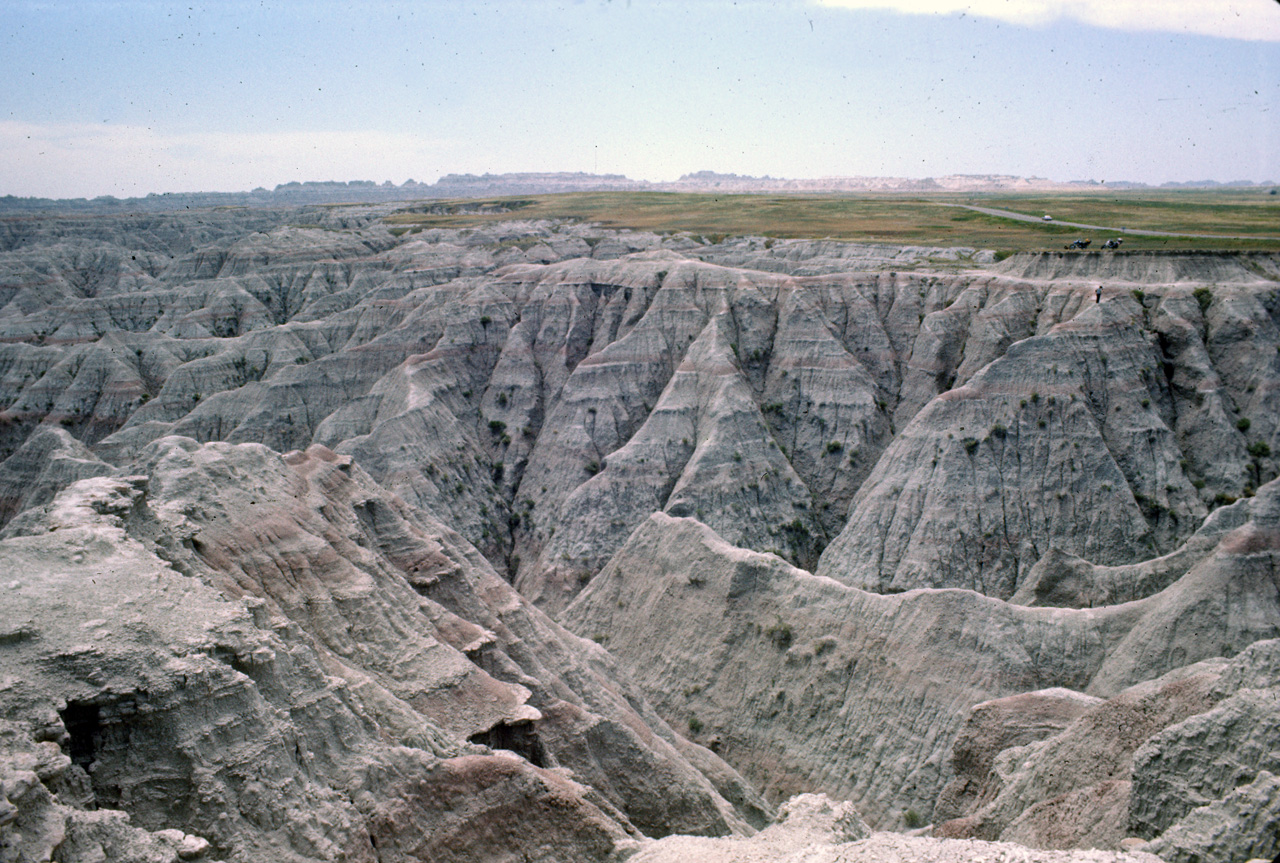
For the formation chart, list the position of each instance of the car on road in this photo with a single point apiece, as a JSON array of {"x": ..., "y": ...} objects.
[{"x": 1048, "y": 218}]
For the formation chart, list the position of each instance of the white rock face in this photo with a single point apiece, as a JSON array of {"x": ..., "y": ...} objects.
[{"x": 813, "y": 828}]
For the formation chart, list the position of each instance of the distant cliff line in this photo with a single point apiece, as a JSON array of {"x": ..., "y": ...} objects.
[{"x": 486, "y": 185}]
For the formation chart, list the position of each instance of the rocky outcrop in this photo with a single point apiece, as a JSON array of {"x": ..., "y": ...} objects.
[
  {"x": 1063, "y": 580},
  {"x": 1035, "y": 451},
  {"x": 1010, "y": 496},
  {"x": 283, "y": 659},
  {"x": 1205, "y": 787},
  {"x": 308, "y": 330},
  {"x": 809, "y": 684},
  {"x": 1073, "y": 788},
  {"x": 1241, "y": 825},
  {"x": 991, "y": 728},
  {"x": 1199, "y": 787},
  {"x": 47, "y": 462}
]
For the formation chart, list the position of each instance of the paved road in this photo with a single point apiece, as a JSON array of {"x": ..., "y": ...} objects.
[{"x": 1023, "y": 217}]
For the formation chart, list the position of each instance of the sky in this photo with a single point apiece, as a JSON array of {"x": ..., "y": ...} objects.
[{"x": 130, "y": 97}]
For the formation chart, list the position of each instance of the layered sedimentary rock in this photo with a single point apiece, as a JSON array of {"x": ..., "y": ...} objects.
[
  {"x": 934, "y": 534},
  {"x": 233, "y": 640},
  {"x": 817, "y": 685}
]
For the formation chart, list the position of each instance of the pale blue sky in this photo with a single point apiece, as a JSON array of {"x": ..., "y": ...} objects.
[{"x": 132, "y": 97}]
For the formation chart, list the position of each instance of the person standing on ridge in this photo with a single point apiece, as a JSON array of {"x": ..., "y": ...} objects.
[{"x": 1097, "y": 295}]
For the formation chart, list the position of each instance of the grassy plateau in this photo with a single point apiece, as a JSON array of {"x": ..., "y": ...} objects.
[{"x": 1246, "y": 220}]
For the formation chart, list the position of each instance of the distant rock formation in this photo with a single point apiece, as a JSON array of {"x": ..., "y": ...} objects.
[{"x": 313, "y": 193}]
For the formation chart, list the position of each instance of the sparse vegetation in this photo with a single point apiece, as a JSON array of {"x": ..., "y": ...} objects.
[{"x": 779, "y": 632}]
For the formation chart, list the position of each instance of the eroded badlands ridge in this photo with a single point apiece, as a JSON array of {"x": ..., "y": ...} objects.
[{"x": 271, "y": 477}]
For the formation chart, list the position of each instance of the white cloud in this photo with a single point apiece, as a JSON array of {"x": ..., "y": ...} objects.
[
  {"x": 87, "y": 160},
  {"x": 1257, "y": 20}
]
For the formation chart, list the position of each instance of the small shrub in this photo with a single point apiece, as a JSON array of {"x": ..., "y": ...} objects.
[
  {"x": 1204, "y": 297},
  {"x": 911, "y": 818},
  {"x": 1146, "y": 403},
  {"x": 497, "y": 426},
  {"x": 1259, "y": 449},
  {"x": 593, "y": 467},
  {"x": 1243, "y": 424},
  {"x": 834, "y": 447},
  {"x": 970, "y": 445},
  {"x": 695, "y": 725},
  {"x": 999, "y": 431},
  {"x": 779, "y": 633}
]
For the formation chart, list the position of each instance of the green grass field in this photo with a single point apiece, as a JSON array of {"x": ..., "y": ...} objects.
[{"x": 935, "y": 220}]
